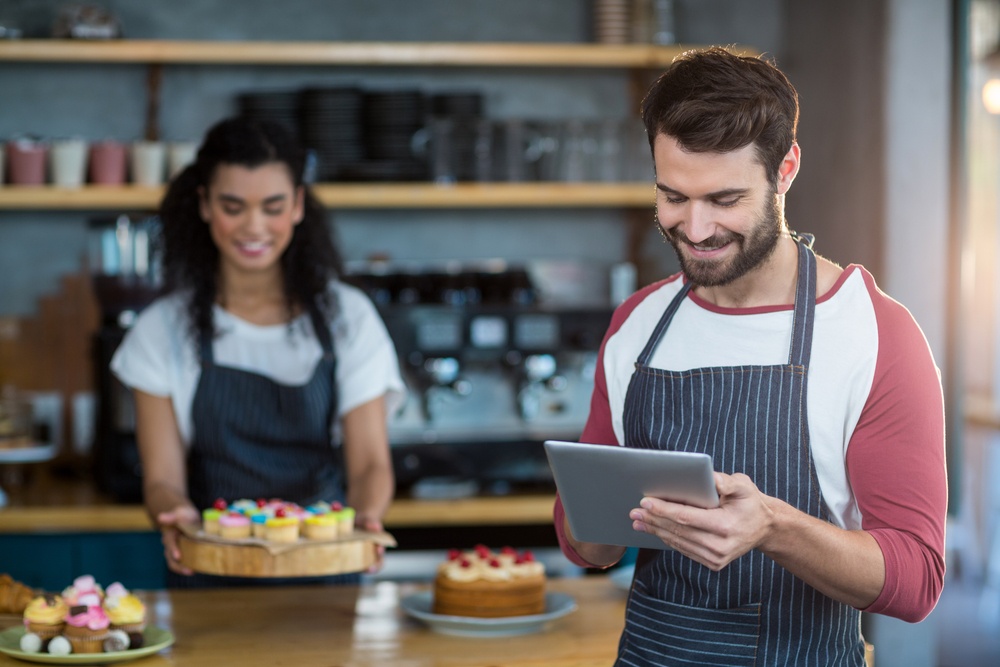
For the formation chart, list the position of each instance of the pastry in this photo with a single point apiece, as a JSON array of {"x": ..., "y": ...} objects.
[
  {"x": 321, "y": 527},
  {"x": 484, "y": 584},
  {"x": 125, "y": 611},
  {"x": 31, "y": 642},
  {"x": 346, "y": 518},
  {"x": 59, "y": 646},
  {"x": 118, "y": 640},
  {"x": 210, "y": 521},
  {"x": 234, "y": 526},
  {"x": 14, "y": 596},
  {"x": 281, "y": 528},
  {"x": 45, "y": 615},
  {"x": 86, "y": 628}
]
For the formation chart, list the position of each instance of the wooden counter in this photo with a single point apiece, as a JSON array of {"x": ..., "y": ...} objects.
[{"x": 365, "y": 626}]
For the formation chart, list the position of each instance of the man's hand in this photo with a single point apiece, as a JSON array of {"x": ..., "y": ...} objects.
[{"x": 713, "y": 537}]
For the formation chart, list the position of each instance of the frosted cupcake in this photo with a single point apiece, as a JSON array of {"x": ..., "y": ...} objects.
[
  {"x": 210, "y": 521},
  {"x": 45, "y": 616},
  {"x": 320, "y": 527},
  {"x": 86, "y": 628},
  {"x": 234, "y": 526},
  {"x": 125, "y": 612},
  {"x": 281, "y": 529}
]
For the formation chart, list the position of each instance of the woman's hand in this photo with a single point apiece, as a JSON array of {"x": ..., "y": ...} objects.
[
  {"x": 168, "y": 523},
  {"x": 372, "y": 525}
]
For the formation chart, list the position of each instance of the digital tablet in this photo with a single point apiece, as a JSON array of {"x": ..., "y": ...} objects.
[{"x": 600, "y": 484}]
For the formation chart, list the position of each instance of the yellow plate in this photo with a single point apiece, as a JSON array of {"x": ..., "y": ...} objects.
[{"x": 156, "y": 640}]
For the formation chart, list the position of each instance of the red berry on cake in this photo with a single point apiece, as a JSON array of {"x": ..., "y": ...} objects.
[
  {"x": 280, "y": 512},
  {"x": 220, "y": 504},
  {"x": 261, "y": 502},
  {"x": 454, "y": 554}
]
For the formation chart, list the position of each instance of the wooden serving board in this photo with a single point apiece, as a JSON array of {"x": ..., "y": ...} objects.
[{"x": 303, "y": 558}]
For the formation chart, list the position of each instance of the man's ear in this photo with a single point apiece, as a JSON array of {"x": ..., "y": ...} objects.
[{"x": 788, "y": 168}]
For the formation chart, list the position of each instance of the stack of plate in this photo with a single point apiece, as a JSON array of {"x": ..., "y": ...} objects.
[
  {"x": 465, "y": 109},
  {"x": 611, "y": 21},
  {"x": 331, "y": 121},
  {"x": 389, "y": 121},
  {"x": 279, "y": 106}
]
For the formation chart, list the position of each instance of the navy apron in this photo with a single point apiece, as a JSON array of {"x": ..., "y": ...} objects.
[
  {"x": 749, "y": 419},
  {"x": 257, "y": 438}
]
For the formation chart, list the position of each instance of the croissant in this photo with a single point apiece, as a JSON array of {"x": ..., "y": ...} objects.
[{"x": 14, "y": 596}]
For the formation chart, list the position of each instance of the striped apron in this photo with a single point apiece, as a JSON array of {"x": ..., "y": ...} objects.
[
  {"x": 749, "y": 419},
  {"x": 254, "y": 437}
]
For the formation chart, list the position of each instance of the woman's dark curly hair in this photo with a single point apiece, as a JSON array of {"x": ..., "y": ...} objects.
[{"x": 190, "y": 257}]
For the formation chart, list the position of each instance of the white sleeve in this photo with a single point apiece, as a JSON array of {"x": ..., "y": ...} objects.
[
  {"x": 367, "y": 366},
  {"x": 142, "y": 361}
]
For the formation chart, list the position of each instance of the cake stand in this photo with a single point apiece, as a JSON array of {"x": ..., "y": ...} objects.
[{"x": 31, "y": 454}]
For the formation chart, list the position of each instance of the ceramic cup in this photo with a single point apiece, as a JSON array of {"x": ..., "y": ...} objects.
[
  {"x": 68, "y": 163},
  {"x": 26, "y": 161},
  {"x": 179, "y": 155},
  {"x": 148, "y": 162},
  {"x": 107, "y": 163}
]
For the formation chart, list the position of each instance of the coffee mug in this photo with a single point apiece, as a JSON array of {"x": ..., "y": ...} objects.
[
  {"x": 148, "y": 162},
  {"x": 68, "y": 162},
  {"x": 26, "y": 160},
  {"x": 107, "y": 163}
]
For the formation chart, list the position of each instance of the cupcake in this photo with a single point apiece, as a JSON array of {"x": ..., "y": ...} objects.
[
  {"x": 320, "y": 527},
  {"x": 45, "y": 615},
  {"x": 86, "y": 628},
  {"x": 258, "y": 524},
  {"x": 346, "y": 521},
  {"x": 281, "y": 529},
  {"x": 234, "y": 526},
  {"x": 125, "y": 612},
  {"x": 210, "y": 521}
]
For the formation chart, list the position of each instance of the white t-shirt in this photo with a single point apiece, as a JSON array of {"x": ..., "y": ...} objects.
[{"x": 159, "y": 357}]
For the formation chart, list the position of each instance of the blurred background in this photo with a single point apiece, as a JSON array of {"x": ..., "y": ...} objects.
[{"x": 900, "y": 172}]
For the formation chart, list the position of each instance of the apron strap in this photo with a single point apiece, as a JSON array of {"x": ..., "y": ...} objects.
[
  {"x": 805, "y": 303},
  {"x": 662, "y": 325}
]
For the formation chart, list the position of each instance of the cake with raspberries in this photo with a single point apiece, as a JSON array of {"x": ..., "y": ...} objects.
[{"x": 486, "y": 584}]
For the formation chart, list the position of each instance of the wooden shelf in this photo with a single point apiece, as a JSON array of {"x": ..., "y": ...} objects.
[
  {"x": 358, "y": 196},
  {"x": 396, "y": 54}
]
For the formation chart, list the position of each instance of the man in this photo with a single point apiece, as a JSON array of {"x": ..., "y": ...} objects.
[{"x": 814, "y": 393}]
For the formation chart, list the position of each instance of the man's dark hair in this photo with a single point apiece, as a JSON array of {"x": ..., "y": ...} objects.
[{"x": 712, "y": 100}]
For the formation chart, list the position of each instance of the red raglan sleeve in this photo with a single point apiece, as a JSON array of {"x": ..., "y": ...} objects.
[{"x": 896, "y": 465}]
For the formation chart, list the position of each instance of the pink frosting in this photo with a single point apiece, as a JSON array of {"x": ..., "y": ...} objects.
[
  {"x": 234, "y": 520},
  {"x": 116, "y": 590},
  {"x": 93, "y": 618}
]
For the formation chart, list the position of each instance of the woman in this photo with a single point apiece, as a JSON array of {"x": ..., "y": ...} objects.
[{"x": 258, "y": 362}]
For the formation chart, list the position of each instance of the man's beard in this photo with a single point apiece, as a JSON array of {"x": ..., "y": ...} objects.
[{"x": 752, "y": 249}]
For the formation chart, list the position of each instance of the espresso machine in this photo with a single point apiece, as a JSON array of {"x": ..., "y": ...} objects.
[
  {"x": 126, "y": 276},
  {"x": 493, "y": 370}
]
